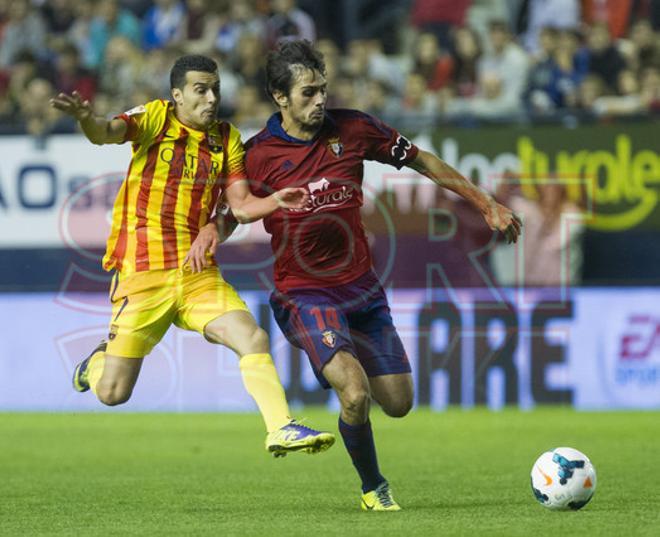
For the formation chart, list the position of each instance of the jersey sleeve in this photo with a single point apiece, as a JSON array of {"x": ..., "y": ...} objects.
[
  {"x": 254, "y": 168},
  {"x": 385, "y": 144},
  {"x": 235, "y": 164},
  {"x": 144, "y": 122}
]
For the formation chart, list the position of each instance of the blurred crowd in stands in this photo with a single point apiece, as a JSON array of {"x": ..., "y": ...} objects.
[{"x": 414, "y": 63}]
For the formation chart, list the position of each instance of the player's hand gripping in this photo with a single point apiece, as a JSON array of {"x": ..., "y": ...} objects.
[
  {"x": 292, "y": 198},
  {"x": 206, "y": 241},
  {"x": 501, "y": 218},
  {"x": 73, "y": 105}
]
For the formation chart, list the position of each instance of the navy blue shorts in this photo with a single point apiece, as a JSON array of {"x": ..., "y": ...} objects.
[{"x": 354, "y": 317}]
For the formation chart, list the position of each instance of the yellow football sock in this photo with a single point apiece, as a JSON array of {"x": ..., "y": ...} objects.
[
  {"x": 263, "y": 384},
  {"x": 95, "y": 369}
]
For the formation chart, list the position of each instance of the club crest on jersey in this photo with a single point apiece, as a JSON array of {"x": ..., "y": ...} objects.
[
  {"x": 214, "y": 144},
  {"x": 335, "y": 145},
  {"x": 329, "y": 339},
  {"x": 113, "y": 332},
  {"x": 136, "y": 110}
]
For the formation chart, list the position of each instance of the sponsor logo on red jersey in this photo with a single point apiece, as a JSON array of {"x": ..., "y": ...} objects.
[{"x": 326, "y": 195}]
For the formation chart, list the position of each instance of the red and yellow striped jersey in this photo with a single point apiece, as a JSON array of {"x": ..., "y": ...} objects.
[{"x": 171, "y": 188}]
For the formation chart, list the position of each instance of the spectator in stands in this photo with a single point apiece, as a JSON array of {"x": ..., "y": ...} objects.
[
  {"x": 242, "y": 19},
  {"x": 251, "y": 111},
  {"x": 110, "y": 21},
  {"x": 105, "y": 106},
  {"x": 39, "y": 118},
  {"x": 332, "y": 57},
  {"x": 570, "y": 67},
  {"x": 559, "y": 14},
  {"x": 591, "y": 88},
  {"x": 288, "y": 22},
  {"x": 645, "y": 45},
  {"x": 491, "y": 101},
  {"x": 605, "y": 60},
  {"x": 481, "y": 12},
  {"x": 200, "y": 27},
  {"x": 439, "y": 17},
  {"x": 650, "y": 89},
  {"x": 430, "y": 61},
  {"x": 23, "y": 30},
  {"x": 366, "y": 61},
  {"x": 154, "y": 77},
  {"x": 58, "y": 16},
  {"x": 418, "y": 108},
  {"x": 378, "y": 101},
  {"x": 24, "y": 69},
  {"x": 344, "y": 94},
  {"x": 614, "y": 14},
  {"x": 552, "y": 241},
  {"x": 540, "y": 95},
  {"x": 507, "y": 61},
  {"x": 79, "y": 32},
  {"x": 627, "y": 101},
  {"x": 162, "y": 24},
  {"x": 8, "y": 110},
  {"x": 548, "y": 42},
  {"x": 122, "y": 69},
  {"x": 249, "y": 62},
  {"x": 69, "y": 74},
  {"x": 467, "y": 51}
]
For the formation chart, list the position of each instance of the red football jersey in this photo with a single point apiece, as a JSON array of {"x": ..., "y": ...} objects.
[{"x": 324, "y": 244}]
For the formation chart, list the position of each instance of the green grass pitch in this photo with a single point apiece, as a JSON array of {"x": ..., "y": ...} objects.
[{"x": 454, "y": 473}]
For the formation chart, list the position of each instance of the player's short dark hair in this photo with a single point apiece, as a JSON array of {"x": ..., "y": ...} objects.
[
  {"x": 279, "y": 75},
  {"x": 191, "y": 62}
]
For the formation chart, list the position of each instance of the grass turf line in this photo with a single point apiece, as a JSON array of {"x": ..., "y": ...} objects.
[{"x": 455, "y": 473}]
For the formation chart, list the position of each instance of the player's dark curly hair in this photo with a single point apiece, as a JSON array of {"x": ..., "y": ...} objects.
[
  {"x": 191, "y": 62},
  {"x": 279, "y": 75}
]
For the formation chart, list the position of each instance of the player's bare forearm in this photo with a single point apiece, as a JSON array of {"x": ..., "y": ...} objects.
[
  {"x": 446, "y": 176},
  {"x": 249, "y": 208},
  {"x": 95, "y": 129},
  {"x": 253, "y": 208},
  {"x": 98, "y": 130},
  {"x": 497, "y": 216}
]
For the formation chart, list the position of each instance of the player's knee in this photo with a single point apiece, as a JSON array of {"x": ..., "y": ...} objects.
[
  {"x": 355, "y": 401},
  {"x": 399, "y": 408},
  {"x": 113, "y": 394},
  {"x": 258, "y": 340}
]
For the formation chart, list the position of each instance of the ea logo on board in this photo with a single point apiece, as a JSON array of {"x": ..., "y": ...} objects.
[{"x": 632, "y": 359}]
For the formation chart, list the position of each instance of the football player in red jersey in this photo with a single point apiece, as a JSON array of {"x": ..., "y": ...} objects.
[{"x": 328, "y": 300}]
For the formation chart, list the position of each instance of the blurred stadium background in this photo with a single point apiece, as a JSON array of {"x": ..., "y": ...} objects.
[{"x": 551, "y": 105}]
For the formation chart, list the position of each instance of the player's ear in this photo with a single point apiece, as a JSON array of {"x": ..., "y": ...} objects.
[
  {"x": 281, "y": 99},
  {"x": 177, "y": 95}
]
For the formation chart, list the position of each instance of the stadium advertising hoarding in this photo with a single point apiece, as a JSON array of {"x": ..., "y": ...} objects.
[
  {"x": 594, "y": 349},
  {"x": 612, "y": 171}
]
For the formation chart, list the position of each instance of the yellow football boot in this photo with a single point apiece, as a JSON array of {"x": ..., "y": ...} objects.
[
  {"x": 80, "y": 379},
  {"x": 379, "y": 499},
  {"x": 296, "y": 437}
]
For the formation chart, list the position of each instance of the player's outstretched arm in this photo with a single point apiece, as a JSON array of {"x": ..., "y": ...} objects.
[
  {"x": 97, "y": 129},
  {"x": 248, "y": 208},
  {"x": 497, "y": 216}
]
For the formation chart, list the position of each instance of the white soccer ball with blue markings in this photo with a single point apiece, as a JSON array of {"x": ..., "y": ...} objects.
[{"x": 563, "y": 479}]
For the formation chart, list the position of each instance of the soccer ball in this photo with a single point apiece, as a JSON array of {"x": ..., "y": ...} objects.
[{"x": 563, "y": 478}]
